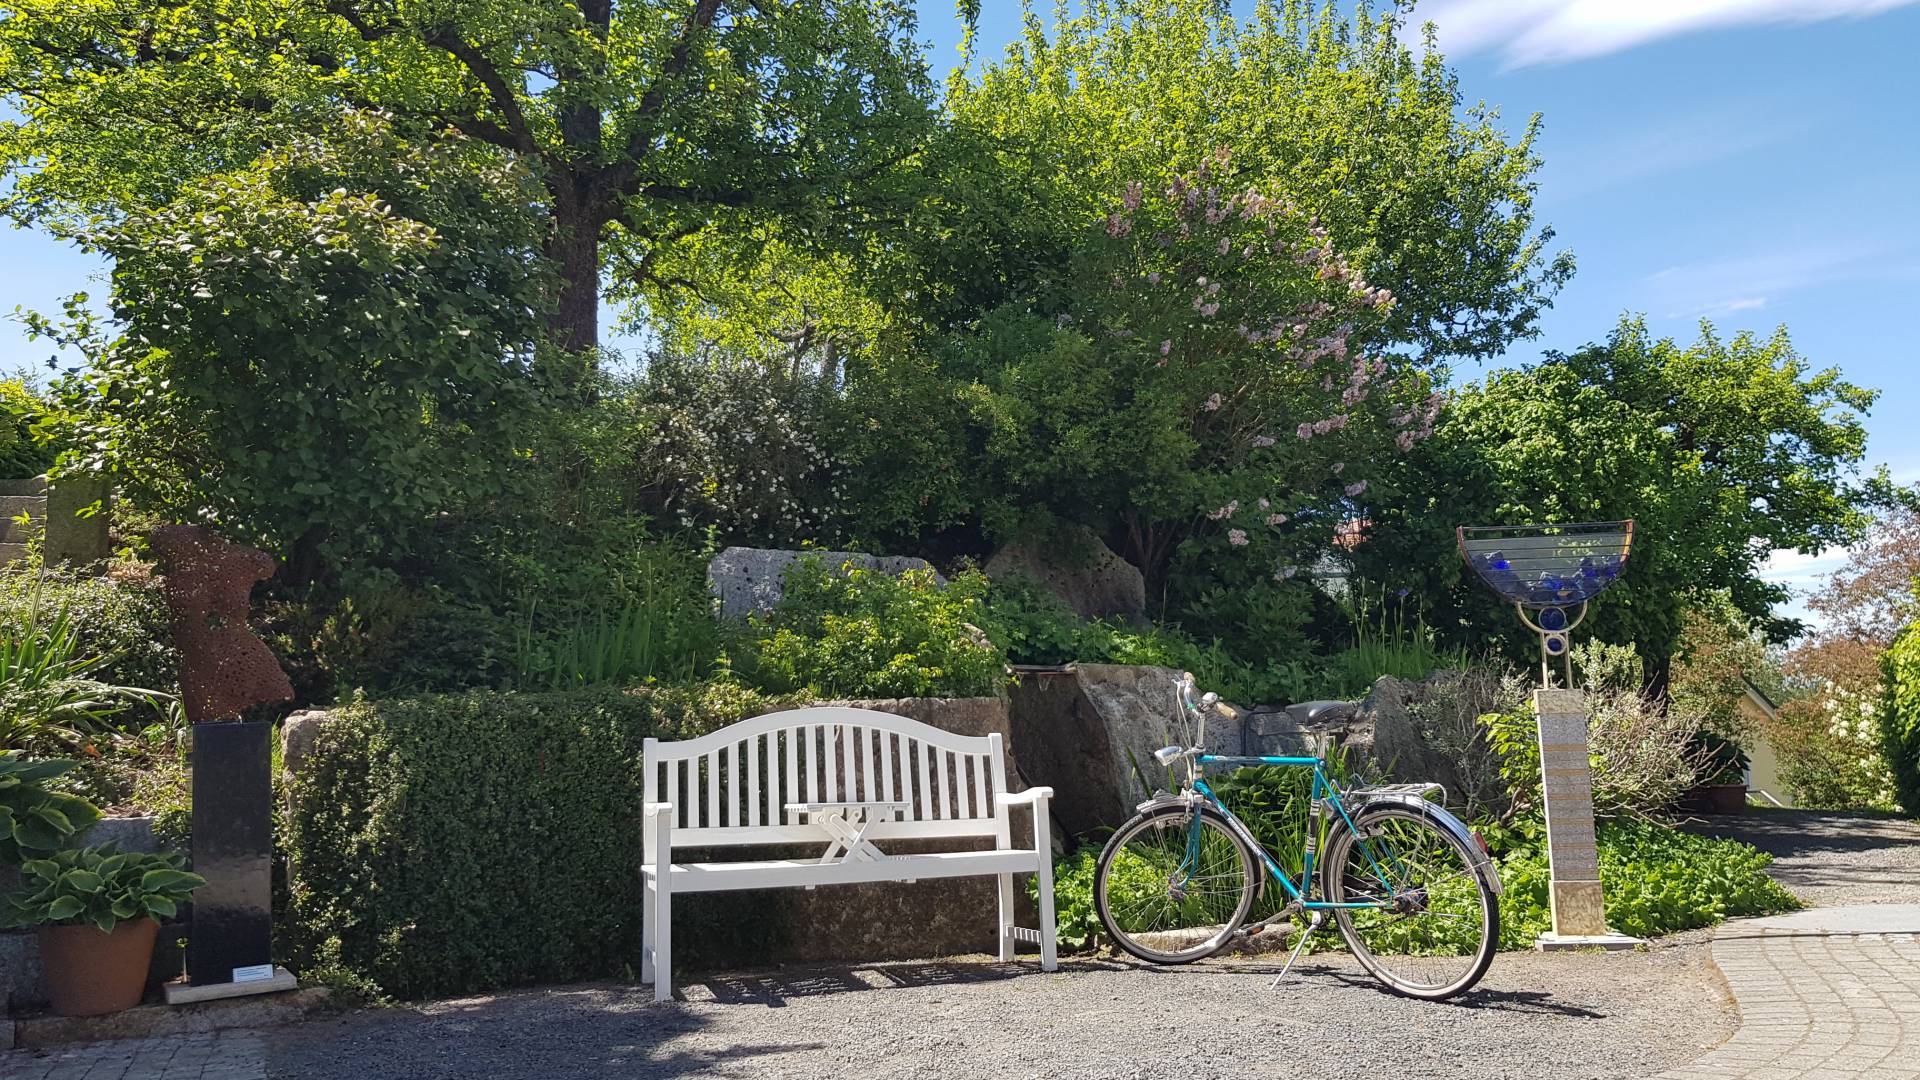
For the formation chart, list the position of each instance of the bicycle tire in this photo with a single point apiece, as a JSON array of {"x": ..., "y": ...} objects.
[
  {"x": 1136, "y": 941},
  {"x": 1391, "y": 827}
]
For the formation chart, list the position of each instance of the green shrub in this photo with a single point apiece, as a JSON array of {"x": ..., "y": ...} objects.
[
  {"x": 658, "y": 626},
  {"x": 1900, "y": 716},
  {"x": 1035, "y": 627},
  {"x": 120, "y": 618},
  {"x": 851, "y": 632},
  {"x": 458, "y": 843},
  {"x": 1658, "y": 880},
  {"x": 22, "y": 454},
  {"x": 378, "y": 634},
  {"x": 1076, "y": 920},
  {"x": 51, "y": 693}
]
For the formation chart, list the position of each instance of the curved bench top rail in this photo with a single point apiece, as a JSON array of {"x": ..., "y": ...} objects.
[{"x": 824, "y": 715}]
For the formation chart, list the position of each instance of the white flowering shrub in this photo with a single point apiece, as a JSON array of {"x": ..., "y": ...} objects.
[{"x": 736, "y": 449}]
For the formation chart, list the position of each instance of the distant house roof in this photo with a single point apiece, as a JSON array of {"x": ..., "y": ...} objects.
[{"x": 1759, "y": 698}]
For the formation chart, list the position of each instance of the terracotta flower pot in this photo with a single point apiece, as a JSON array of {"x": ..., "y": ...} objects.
[
  {"x": 90, "y": 972},
  {"x": 1716, "y": 799}
]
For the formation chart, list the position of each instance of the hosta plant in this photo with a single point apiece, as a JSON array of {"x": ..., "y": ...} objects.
[
  {"x": 98, "y": 886},
  {"x": 33, "y": 820}
]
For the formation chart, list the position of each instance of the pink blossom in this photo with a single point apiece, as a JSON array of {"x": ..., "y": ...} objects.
[
  {"x": 1209, "y": 310},
  {"x": 1305, "y": 431},
  {"x": 1263, "y": 441},
  {"x": 1167, "y": 347},
  {"x": 1276, "y": 519},
  {"x": 1237, "y": 537},
  {"x": 1285, "y": 572},
  {"x": 1153, "y": 278},
  {"x": 1339, "y": 467},
  {"x": 1226, "y": 244},
  {"x": 1404, "y": 441},
  {"x": 1119, "y": 225},
  {"x": 1213, "y": 403},
  {"x": 1131, "y": 200},
  {"x": 1356, "y": 488}
]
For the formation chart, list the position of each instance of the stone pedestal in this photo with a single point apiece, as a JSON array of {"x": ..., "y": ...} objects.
[
  {"x": 79, "y": 515},
  {"x": 1579, "y": 916},
  {"x": 233, "y": 850}
]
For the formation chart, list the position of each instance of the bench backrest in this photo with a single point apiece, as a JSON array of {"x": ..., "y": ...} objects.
[{"x": 732, "y": 786}]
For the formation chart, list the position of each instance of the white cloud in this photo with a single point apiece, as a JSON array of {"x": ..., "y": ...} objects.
[
  {"x": 1748, "y": 282},
  {"x": 1637, "y": 151},
  {"x": 1556, "y": 31}
]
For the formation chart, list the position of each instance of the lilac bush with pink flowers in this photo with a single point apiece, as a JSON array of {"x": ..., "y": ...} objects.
[{"x": 1219, "y": 387}]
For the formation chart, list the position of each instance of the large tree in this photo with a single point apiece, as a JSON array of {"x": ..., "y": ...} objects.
[
  {"x": 1723, "y": 452},
  {"x": 645, "y": 121},
  {"x": 1429, "y": 196},
  {"x": 1425, "y": 193}
]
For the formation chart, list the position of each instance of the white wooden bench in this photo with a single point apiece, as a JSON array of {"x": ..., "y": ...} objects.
[{"x": 840, "y": 781}]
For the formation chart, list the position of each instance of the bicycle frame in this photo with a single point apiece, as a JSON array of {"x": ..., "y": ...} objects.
[{"x": 1323, "y": 789}]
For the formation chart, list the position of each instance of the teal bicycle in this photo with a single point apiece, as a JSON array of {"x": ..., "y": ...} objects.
[{"x": 1410, "y": 887}]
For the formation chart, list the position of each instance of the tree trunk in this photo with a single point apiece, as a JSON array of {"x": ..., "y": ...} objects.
[
  {"x": 575, "y": 250},
  {"x": 303, "y": 566}
]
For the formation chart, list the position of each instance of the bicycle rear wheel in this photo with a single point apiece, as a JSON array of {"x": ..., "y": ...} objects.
[
  {"x": 1173, "y": 884},
  {"x": 1437, "y": 923}
]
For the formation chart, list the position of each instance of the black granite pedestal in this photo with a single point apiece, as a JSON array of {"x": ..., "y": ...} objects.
[{"x": 232, "y": 849}]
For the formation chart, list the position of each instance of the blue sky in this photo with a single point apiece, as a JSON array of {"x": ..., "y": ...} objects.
[{"x": 1756, "y": 162}]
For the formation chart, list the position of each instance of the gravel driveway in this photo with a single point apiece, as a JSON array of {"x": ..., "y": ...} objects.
[{"x": 1586, "y": 1016}]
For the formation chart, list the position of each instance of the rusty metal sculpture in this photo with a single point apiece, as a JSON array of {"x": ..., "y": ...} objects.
[
  {"x": 224, "y": 668},
  {"x": 224, "y": 671}
]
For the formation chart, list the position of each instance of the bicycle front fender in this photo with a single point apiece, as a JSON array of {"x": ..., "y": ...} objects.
[{"x": 1440, "y": 816}]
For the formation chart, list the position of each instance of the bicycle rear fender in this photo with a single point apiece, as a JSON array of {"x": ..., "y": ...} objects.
[{"x": 1439, "y": 816}]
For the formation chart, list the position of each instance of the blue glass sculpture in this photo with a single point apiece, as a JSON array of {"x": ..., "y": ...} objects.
[{"x": 1549, "y": 573}]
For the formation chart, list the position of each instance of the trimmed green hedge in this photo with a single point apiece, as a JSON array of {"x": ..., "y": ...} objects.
[
  {"x": 458, "y": 843},
  {"x": 1900, "y": 717}
]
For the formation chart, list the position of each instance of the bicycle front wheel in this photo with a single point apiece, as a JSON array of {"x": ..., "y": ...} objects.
[
  {"x": 1173, "y": 884},
  {"x": 1435, "y": 921}
]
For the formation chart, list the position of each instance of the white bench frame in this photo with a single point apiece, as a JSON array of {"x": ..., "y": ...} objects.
[{"x": 953, "y": 786}]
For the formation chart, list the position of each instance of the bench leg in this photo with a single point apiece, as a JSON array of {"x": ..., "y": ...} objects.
[
  {"x": 1006, "y": 917},
  {"x": 646, "y": 934},
  {"x": 663, "y": 940},
  {"x": 1043, "y": 846}
]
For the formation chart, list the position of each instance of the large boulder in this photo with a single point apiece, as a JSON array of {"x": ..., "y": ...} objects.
[
  {"x": 750, "y": 581},
  {"x": 1089, "y": 732},
  {"x": 1085, "y": 574},
  {"x": 1429, "y": 731}
]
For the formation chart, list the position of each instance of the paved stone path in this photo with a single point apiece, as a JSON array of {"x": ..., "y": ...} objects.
[
  {"x": 216, "y": 1055},
  {"x": 1825, "y": 994}
]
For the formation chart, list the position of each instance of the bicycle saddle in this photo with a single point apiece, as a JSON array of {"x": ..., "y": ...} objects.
[{"x": 1322, "y": 713}]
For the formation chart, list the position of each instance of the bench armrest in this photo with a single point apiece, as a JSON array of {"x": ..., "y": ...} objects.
[
  {"x": 654, "y": 808},
  {"x": 1022, "y": 798}
]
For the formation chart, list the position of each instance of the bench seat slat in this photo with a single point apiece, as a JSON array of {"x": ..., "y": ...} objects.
[{"x": 773, "y": 873}]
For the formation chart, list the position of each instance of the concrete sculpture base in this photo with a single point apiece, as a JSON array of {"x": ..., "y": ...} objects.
[{"x": 1579, "y": 913}]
